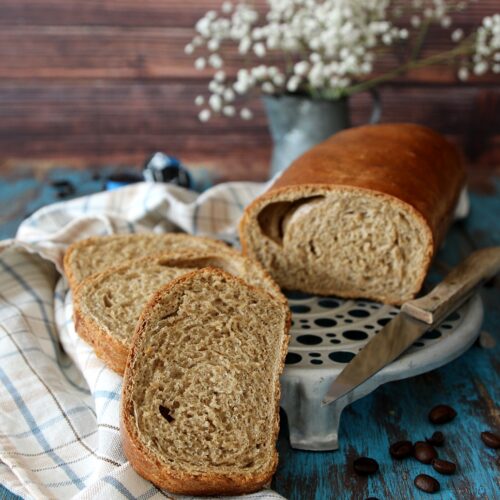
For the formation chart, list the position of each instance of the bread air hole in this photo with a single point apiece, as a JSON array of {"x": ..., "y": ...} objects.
[
  {"x": 312, "y": 248},
  {"x": 200, "y": 263},
  {"x": 165, "y": 413},
  {"x": 108, "y": 299},
  {"x": 271, "y": 218}
]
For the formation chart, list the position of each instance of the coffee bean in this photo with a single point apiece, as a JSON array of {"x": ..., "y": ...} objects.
[
  {"x": 491, "y": 440},
  {"x": 437, "y": 439},
  {"x": 365, "y": 466},
  {"x": 441, "y": 414},
  {"x": 401, "y": 449},
  {"x": 424, "y": 452},
  {"x": 444, "y": 467},
  {"x": 427, "y": 483}
]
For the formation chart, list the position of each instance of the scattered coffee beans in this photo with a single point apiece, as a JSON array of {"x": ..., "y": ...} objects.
[
  {"x": 444, "y": 467},
  {"x": 441, "y": 414},
  {"x": 491, "y": 440},
  {"x": 365, "y": 466},
  {"x": 424, "y": 452},
  {"x": 427, "y": 483},
  {"x": 401, "y": 449},
  {"x": 437, "y": 439}
]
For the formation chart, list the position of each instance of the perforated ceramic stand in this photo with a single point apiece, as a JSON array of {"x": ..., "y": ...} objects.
[{"x": 326, "y": 334}]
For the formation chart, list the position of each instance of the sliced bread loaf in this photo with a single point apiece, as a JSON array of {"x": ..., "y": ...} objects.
[
  {"x": 199, "y": 411},
  {"x": 97, "y": 254},
  {"x": 107, "y": 305},
  {"x": 360, "y": 215}
]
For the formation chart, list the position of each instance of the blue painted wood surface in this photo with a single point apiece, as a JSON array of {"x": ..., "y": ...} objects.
[{"x": 395, "y": 411}]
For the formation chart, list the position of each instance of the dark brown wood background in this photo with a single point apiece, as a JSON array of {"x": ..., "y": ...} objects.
[{"x": 99, "y": 82}]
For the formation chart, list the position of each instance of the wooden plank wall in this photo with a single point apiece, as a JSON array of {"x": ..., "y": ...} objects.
[{"x": 96, "y": 82}]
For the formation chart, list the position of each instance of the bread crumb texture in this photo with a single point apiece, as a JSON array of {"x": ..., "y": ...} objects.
[
  {"x": 204, "y": 376},
  {"x": 94, "y": 255},
  {"x": 114, "y": 299},
  {"x": 342, "y": 242}
]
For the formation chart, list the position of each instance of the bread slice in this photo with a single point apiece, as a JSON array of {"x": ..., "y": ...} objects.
[
  {"x": 97, "y": 254},
  {"x": 199, "y": 410},
  {"x": 360, "y": 215},
  {"x": 107, "y": 306}
]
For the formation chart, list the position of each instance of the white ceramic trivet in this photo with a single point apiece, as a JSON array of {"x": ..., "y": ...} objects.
[{"x": 326, "y": 333}]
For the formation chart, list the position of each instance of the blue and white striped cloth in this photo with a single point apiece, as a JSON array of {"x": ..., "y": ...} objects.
[{"x": 59, "y": 404}]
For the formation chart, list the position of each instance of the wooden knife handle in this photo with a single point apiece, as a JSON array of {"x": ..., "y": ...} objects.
[{"x": 456, "y": 288}]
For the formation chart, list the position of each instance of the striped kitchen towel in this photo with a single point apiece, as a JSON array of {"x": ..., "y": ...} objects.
[{"x": 59, "y": 418}]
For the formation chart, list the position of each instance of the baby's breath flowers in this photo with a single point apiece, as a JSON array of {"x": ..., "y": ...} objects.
[{"x": 325, "y": 48}]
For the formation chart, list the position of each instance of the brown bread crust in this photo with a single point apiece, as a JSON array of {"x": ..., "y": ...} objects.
[
  {"x": 405, "y": 163},
  {"x": 106, "y": 347},
  {"x": 162, "y": 475}
]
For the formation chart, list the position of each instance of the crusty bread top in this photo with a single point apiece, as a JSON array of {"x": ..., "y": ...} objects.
[
  {"x": 201, "y": 389},
  {"x": 93, "y": 255},
  {"x": 408, "y": 162}
]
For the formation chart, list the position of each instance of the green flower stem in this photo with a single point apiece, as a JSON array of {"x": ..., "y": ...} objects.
[
  {"x": 462, "y": 49},
  {"x": 417, "y": 47}
]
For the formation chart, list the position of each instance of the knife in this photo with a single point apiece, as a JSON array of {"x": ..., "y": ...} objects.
[{"x": 415, "y": 318}]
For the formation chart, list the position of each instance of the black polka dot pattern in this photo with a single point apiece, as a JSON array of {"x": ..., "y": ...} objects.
[
  {"x": 383, "y": 321},
  {"x": 293, "y": 358},
  {"x": 309, "y": 339},
  {"x": 328, "y": 303},
  {"x": 341, "y": 356},
  {"x": 325, "y": 322},
  {"x": 327, "y": 330},
  {"x": 298, "y": 309},
  {"x": 432, "y": 334},
  {"x": 355, "y": 335},
  {"x": 359, "y": 313}
]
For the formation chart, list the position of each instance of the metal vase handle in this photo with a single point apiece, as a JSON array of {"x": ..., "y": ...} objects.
[{"x": 376, "y": 106}]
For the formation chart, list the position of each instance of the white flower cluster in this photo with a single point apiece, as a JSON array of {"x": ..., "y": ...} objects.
[
  {"x": 309, "y": 46},
  {"x": 323, "y": 48},
  {"x": 434, "y": 11},
  {"x": 486, "y": 49}
]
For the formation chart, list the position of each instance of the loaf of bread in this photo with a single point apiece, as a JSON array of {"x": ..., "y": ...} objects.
[
  {"x": 199, "y": 411},
  {"x": 107, "y": 305},
  {"x": 360, "y": 215},
  {"x": 96, "y": 254}
]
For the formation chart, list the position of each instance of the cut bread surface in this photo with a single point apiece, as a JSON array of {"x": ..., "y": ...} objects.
[
  {"x": 359, "y": 215},
  {"x": 341, "y": 241},
  {"x": 107, "y": 306},
  {"x": 201, "y": 388},
  {"x": 94, "y": 255}
]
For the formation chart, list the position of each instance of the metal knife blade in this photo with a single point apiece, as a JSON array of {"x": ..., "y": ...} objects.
[
  {"x": 416, "y": 317},
  {"x": 385, "y": 347}
]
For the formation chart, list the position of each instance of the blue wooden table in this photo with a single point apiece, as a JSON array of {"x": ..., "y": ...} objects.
[{"x": 393, "y": 412}]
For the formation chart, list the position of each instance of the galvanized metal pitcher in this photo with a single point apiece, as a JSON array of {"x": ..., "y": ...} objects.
[{"x": 297, "y": 123}]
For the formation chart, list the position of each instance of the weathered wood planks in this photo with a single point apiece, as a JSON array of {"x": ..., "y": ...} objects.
[{"x": 107, "y": 81}]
